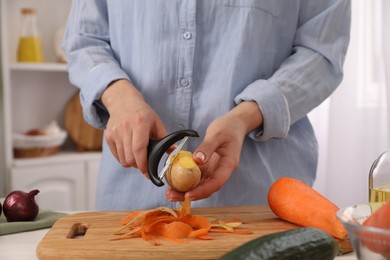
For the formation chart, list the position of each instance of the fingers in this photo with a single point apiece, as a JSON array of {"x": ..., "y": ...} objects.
[
  {"x": 210, "y": 185},
  {"x": 204, "y": 151},
  {"x": 139, "y": 149},
  {"x": 131, "y": 124},
  {"x": 112, "y": 145},
  {"x": 130, "y": 149},
  {"x": 204, "y": 190},
  {"x": 127, "y": 158},
  {"x": 159, "y": 131},
  {"x": 128, "y": 142},
  {"x": 173, "y": 195},
  {"x": 117, "y": 148},
  {"x": 207, "y": 186}
]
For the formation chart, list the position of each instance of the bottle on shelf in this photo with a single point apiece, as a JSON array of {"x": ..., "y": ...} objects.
[
  {"x": 379, "y": 179},
  {"x": 30, "y": 46}
]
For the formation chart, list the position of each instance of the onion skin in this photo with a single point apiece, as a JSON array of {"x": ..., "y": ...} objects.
[
  {"x": 1, "y": 208},
  {"x": 20, "y": 206},
  {"x": 183, "y": 174}
]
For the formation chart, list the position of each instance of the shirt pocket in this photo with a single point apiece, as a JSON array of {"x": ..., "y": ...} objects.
[{"x": 271, "y": 7}]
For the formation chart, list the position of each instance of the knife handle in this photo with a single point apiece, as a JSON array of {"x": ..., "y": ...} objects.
[{"x": 157, "y": 148}]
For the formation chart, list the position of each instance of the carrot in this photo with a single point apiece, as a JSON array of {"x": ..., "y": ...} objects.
[
  {"x": 205, "y": 237},
  {"x": 199, "y": 233},
  {"x": 175, "y": 229},
  {"x": 379, "y": 243},
  {"x": 173, "y": 225},
  {"x": 294, "y": 201},
  {"x": 197, "y": 222},
  {"x": 235, "y": 231},
  {"x": 129, "y": 217}
]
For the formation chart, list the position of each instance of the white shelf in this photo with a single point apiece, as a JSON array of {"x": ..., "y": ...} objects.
[
  {"x": 61, "y": 157},
  {"x": 34, "y": 94},
  {"x": 46, "y": 66}
]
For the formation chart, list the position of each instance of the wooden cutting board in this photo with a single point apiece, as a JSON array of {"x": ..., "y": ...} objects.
[{"x": 96, "y": 244}]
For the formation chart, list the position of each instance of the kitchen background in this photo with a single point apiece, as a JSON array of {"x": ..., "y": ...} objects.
[{"x": 352, "y": 126}]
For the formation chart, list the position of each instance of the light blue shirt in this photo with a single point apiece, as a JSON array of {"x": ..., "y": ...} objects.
[{"x": 195, "y": 60}]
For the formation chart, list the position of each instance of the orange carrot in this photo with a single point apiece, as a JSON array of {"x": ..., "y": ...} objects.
[
  {"x": 175, "y": 229},
  {"x": 298, "y": 203},
  {"x": 173, "y": 225},
  {"x": 235, "y": 231},
  {"x": 379, "y": 243},
  {"x": 197, "y": 222},
  {"x": 199, "y": 233},
  {"x": 205, "y": 237},
  {"x": 129, "y": 217}
]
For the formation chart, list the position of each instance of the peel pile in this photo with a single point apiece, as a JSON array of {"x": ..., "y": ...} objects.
[{"x": 175, "y": 225}]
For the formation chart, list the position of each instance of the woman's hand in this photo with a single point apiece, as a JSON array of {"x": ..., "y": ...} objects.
[
  {"x": 132, "y": 122},
  {"x": 219, "y": 154}
]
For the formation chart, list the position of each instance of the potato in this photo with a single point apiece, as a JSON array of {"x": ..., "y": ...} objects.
[{"x": 183, "y": 174}]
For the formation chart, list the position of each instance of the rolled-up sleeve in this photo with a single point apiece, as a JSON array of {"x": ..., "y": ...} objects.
[
  {"x": 91, "y": 61},
  {"x": 307, "y": 77}
]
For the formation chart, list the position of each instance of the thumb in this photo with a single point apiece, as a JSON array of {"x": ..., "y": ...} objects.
[{"x": 204, "y": 151}]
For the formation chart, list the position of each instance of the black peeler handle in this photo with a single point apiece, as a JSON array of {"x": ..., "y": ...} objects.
[{"x": 157, "y": 148}]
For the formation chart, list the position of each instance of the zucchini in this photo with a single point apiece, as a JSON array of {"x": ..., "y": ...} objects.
[{"x": 300, "y": 243}]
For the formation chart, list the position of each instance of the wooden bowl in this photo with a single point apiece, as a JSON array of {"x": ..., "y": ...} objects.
[
  {"x": 31, "y": 146},
  {"x": 35, "y": 152}
]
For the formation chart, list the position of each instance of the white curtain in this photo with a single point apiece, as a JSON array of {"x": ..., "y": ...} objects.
[{"x": 352, "y": 126}]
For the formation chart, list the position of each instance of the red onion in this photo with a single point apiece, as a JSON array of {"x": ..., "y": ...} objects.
[
  {"x": 1, "y": 208},
  {"x": 20, "y": 206}
]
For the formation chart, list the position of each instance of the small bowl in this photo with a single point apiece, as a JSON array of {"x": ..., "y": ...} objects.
[{"x": 369, "y": 243}]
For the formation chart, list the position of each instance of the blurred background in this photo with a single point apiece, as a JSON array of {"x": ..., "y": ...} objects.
[{"x": 353, "y": 126}]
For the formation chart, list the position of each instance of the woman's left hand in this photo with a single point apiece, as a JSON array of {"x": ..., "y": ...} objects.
[{"x": 218, "y": 155}]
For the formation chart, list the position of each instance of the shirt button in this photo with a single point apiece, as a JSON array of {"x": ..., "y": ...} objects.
[
  {"x": 184, "y": 82},
  {"x": 187, "y": 35}
]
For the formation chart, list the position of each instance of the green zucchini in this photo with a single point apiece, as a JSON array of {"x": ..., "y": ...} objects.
[{"x": 300, "y": 243}]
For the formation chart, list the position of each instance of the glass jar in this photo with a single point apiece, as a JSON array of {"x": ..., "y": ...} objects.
[
  {"x": 379, "y": 179},
  {"x": 30, "y": 45}
]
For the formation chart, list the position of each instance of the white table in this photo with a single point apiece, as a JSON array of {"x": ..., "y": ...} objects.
[{"x": 22, "y": 246}]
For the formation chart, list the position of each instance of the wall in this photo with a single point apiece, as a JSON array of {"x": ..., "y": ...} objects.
[
  {"x": 353, "y": 125},
  {"x": 386, "y": 54},
  {"x": 2, "y": 146}
]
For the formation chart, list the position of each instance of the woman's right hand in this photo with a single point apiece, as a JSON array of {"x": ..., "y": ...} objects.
[{"x": 131, "y": 124}]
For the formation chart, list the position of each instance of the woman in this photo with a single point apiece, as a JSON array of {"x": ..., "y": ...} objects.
[{"x": 242, "y": 73}]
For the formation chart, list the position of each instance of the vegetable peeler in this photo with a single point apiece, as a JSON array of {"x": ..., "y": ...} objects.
[{"x": 157, "y": 148}]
